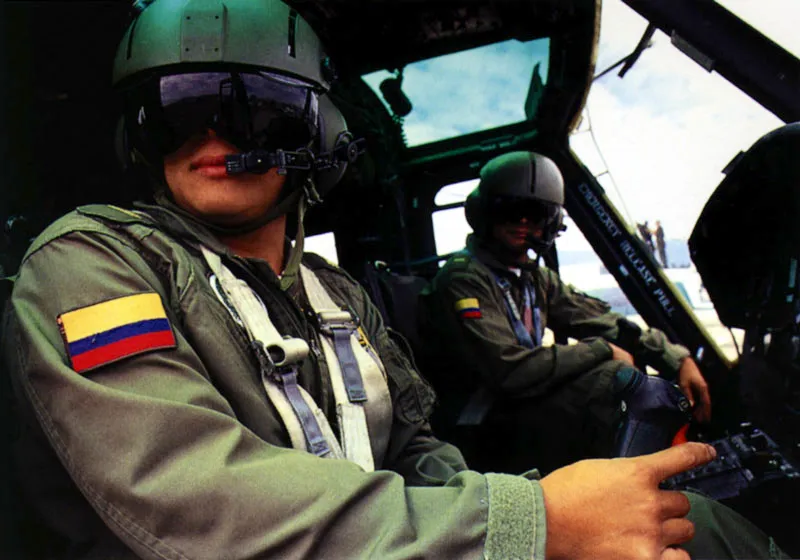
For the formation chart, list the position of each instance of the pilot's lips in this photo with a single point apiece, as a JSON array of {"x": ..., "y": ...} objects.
[{"x": 210, "y": 166}]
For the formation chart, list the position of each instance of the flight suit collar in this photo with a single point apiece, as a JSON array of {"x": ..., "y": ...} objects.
[{"x": 181, "y": 225}]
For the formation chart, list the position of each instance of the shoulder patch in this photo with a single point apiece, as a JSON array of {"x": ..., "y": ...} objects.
[
  {"x": 459, "y": 261},
  {"x": 468, "y": 308},
  {"x": 111, "y": 330}
]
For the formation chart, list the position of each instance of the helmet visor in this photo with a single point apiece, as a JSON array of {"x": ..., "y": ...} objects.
[{"x": 249, "y": 109}]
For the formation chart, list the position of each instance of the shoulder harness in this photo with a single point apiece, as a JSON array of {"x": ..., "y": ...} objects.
[{"x": 363, "y": 402}]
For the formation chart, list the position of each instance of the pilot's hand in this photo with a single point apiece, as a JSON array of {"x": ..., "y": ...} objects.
[
  {"x": 613, "y": 508},
  {"x": 618, "y": 353},
  {"x": 695, "y": 388}
]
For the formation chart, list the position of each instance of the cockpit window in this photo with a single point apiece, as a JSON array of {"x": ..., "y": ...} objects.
[
  {"x": 450, "y": 227},
  {"x": 455, "y": 193},
  {"x": 324, "y": 245},
  {"x": 470, "y": 91}
]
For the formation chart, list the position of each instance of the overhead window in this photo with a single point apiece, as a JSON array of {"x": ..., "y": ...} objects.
[{"x": 470, "y": 91}]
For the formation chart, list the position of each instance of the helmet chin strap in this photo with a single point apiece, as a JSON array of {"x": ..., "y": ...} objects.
[
  {"x": 292, "y": 267},
  {"x": 299, "y": 199},
  {"x": 286, "y": 205}
]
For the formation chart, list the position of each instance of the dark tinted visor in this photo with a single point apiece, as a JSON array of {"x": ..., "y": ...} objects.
[
  {"x": 513, "y": 210},
  {"x": 250, "y": 110}
]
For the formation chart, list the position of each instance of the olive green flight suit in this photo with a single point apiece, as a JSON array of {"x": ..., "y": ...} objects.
[
  {"x": 177, "y": 453},
  {"x": 556, "y": 402}
]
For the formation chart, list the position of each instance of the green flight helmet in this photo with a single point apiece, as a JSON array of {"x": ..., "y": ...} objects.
[
  {"x": 251, "y": 70},
  {"x": 518, "y": 185},
  {"x": 259, "y": 33}
]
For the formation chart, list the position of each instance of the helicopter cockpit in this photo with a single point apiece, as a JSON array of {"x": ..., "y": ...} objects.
[{"x": 499, "y": 76}]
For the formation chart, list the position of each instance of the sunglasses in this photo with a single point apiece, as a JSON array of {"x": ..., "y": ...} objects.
[{"x": 248, "y": 109}]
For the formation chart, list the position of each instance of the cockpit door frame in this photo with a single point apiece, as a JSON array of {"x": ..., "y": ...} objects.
[{"x": 634, "y": 268}]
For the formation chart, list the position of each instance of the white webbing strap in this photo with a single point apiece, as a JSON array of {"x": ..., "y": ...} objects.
[
  {"x": 358, "y": 417},
  {"x": 308, "y": 428}
]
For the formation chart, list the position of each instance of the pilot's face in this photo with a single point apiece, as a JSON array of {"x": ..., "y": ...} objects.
[
  {"x": 514, "y": 235},
  {"x": 197, "y": 179}
]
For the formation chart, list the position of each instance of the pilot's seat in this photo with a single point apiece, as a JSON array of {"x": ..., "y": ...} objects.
[
  {"x": 458, "y": 418},
  {"x": 396, "y": 296},
  {"x": 10, "y": 501}
]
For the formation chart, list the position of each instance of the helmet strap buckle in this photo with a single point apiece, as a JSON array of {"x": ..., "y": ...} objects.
[{"x": 310, "y": 191}]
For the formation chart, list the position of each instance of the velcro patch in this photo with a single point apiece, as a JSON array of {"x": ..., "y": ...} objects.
[
  {"x": 468, "y": 308},
  {"x": 109, "y": 331}
]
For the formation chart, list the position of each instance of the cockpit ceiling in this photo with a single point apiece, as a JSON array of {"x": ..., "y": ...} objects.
[{"x": 367, "y": 36}]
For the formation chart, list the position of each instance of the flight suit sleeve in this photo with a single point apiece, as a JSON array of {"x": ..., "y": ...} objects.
[
  {"x": 486, "y": 344},
  {"x": 577, "y": 315},
  {"x": 161, "y": 457}
]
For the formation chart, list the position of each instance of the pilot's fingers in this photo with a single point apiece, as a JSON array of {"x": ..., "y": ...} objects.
[
  {"x": 675, "y": 554},
  {"x": 686, "y": 389},
  {"x": 669, "y": 462},
  {"x": 676, "y": 531},
  {"x": 673, "y": 504},
  {"x": 702, "y": 413},
  {"x": 620, "y": 354}
]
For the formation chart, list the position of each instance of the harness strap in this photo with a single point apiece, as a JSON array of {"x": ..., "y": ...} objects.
[
  {"x": 308, "y": 421},
  {"x": 357, "y": 377},
  {"x": 340, "y": 325},
  {"x": 537, "y": 314},
  {"x": 514, "y": 316},
  {"x": 279, "y": 358}
]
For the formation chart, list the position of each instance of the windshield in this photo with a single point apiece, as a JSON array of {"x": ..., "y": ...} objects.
[
  {"x": 659, "y": 139},
  {"x": 470, "y": 91}
]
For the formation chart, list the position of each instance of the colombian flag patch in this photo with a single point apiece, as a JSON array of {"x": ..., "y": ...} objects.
[
  {"x": 115, "y": 329},
  {"x": 468, "y": 308}
]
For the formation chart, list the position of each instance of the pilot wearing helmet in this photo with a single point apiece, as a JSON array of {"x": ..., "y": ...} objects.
[
  {"x": 192, "y": 386},
  {"x": 485, "y": 313}
]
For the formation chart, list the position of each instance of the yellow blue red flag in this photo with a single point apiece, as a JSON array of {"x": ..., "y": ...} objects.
[
  {"x": 111, "y": 330},
  {"x": 468, "y": 308}
]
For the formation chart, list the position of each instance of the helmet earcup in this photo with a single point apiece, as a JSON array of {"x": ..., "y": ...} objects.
[
  {"x": 475, "y": 212},
  {"x": 122, "y": 147},
  {"x": 138, "y": 168},
  {"x": 336, "y": 143}
]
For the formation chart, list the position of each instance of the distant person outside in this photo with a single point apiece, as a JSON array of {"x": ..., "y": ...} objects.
[
  {"x": 644, "y": 233},
  {"x": 661, "y": 245}
]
